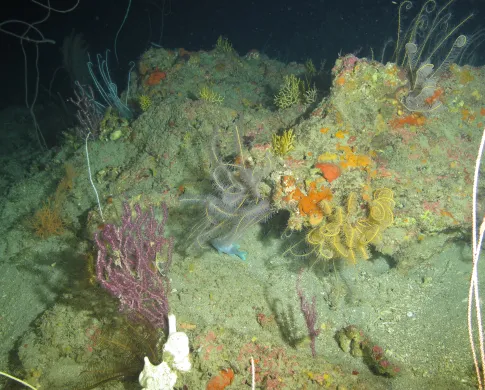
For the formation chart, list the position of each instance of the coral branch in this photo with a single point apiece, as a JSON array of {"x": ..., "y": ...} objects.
[
  {"x": 309, "y": 312},
  {"x": 128, "y": 264}
]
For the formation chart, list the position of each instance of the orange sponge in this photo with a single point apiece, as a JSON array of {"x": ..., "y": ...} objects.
[
  {"x": 330, "y": 171},
  {"x": 221, "y": 381}
]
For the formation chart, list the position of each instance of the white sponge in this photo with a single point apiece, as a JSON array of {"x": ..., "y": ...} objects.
[
  {"x": 177, "y": 345},
  {"x": 163, "y": 376},
  {"x": 159, "y": 377}
]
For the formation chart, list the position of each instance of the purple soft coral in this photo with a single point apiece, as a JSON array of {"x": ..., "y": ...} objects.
[{"x": 127, "y": 264}]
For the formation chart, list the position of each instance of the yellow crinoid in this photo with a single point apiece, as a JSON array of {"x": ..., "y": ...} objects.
[{"x": 347, "y": 235}]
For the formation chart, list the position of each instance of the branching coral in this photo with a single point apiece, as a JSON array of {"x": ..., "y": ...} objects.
[
  {"x": 290, "y": 92},
  {"x": 223, "y": 45},
  {"x": 47, "y": 221},
  {"x": 210, "y": 96},
  {"x": 343, "y": 234},
  {"x": 145, "y": 102},
  {"x": 236, "y": 205},
  {"x": 283, "y": 144}
]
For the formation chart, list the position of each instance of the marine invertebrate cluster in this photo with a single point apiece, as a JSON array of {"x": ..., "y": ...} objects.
[
  {"x": 354, "y": 341},
  {"x": 306, "y": 200},
  {"x": 344, "y": 234},
  {"x": 414, "y": 119},
  {"x": 430, "y": 39}
]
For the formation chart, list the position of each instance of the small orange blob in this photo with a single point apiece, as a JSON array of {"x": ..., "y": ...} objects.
[
  {"x": 412, "y": 120},
  {"x": 340, "y": 134},
  {"x": 308, "y": 204},
  {"x": 433, "y": 98},
  {"x": 330, "y": 171},
  {"x": 155, "y": 77},
  {"x": 221, "y": 381}
]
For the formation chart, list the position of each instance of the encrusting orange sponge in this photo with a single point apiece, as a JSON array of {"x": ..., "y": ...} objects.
[
  {"x": 330, "y": 171},
  {"x": 221, "y": 381}
]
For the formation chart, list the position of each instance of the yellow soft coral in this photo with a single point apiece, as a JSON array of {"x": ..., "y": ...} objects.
[
  {"x": 282, "y": 144},
  {"x": 210, "y": 96},
  {"x": 145, "y": 102}
]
